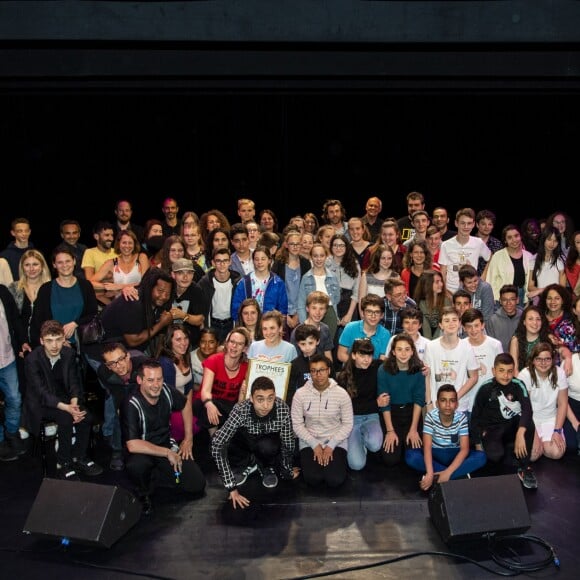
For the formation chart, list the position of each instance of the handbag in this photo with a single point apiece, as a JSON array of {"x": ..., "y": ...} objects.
[{"x": 91, "y": 332}]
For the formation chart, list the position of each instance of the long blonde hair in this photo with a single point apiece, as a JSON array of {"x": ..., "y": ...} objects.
[{"x": 45, "y": 275}]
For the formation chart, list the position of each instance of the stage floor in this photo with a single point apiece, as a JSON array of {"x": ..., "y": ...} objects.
[{"x": 376, "y": 526}]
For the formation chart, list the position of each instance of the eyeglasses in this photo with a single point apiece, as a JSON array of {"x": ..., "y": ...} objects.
[
  {"x": 339, "y": 245},
  {"x": 543, "y": 359},
  {"x": 370, "y": 312},
  {"x": 115, "y": 363},
  {"x": 221, "y": 261},
  {"x": 294, "y": 244},
  {"x": 319, "y": 371},
  {"x": 236, "y": 343}
]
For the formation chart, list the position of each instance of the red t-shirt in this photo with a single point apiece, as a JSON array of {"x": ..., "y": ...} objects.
[{"x": 224, "y": 387}]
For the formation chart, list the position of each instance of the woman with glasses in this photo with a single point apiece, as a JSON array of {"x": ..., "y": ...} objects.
[
  {"x": 223, "y": 384},
  {"x": 343, "y": 263},
  {"x": 548, "y": 390}
]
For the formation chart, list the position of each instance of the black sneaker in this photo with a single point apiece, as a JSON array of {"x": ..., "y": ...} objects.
[
  {"x": 269, "y": 477},
  {"x": 146, "y": 505},
  {"x": 67, "y": 472},
  {"x": 117, "y": 462},
  {"x": 6, "y": 452},
  {"x": 18, "y": 446},
  {"x": 87, "y": 467},
  {"x": 241, "y": 477},
  {"x": 528, "y": 478}
]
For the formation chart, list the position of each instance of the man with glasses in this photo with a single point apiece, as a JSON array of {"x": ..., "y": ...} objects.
[
  {"x": 118, "y": 376},
  {"x": 395, "y": 300},
  {"x": 217, "y": 286},
  {"x": 369, "y": 327},
  {"x": 322, "y": 417}
]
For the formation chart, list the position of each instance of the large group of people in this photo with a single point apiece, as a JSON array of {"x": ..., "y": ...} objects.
[{"x": 445, "y": 350}]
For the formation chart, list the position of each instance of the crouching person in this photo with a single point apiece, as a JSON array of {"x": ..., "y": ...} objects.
[
  {"x": 145, "y": 420},
  {"x": 258, "y": 436}
]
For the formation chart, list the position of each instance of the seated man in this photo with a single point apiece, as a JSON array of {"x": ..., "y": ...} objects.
[
  {"x": 54, "y": 391},
  {"x": 145, "y": 420},
  {"x": 445, "y": 453},
  {"x": 502, "y": 418},
  {"x": 118, "y": 376},
  {"x": 261, "y": 431}
]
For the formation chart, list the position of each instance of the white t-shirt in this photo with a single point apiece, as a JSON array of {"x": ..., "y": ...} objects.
[
  {"x": 420, "y": 345},
  {"x": 574, "y": 378},
  {"x": 453, "y": 255},
  {"x": 549, "y": 273},
  {"x": 544, "y": 399},
  {"x": 485, "y": 354},
  {"x": 450, "y": 366}
]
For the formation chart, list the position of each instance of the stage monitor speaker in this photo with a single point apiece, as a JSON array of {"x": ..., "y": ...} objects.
[
  {"x": 87, "y": 513},
  {"x": 467, "y": 509}
]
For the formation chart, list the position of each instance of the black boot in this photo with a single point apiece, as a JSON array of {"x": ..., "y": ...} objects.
[
  {"x": 6, "y": 452},
  {"x": 18, "y": 446}
]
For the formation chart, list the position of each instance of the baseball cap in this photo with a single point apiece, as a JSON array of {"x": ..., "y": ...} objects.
[{"x": 182, "y": 264}]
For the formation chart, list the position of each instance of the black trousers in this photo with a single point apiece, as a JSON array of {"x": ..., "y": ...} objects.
[
  {"x": 265, "y": 449},
  {"x": 148, "y": 472},
  {"x": 402, "y": 417},
  {"x": 499, "y": 440},
  {"x": 224, "y": 407},
  {"x": 333, "y": 474},
  {"x": 82, "y": 431}
]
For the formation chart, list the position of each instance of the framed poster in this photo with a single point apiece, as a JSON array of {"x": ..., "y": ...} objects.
[{"x": 279, "y": 372}]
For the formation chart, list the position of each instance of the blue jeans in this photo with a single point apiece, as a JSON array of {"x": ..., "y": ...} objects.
[
  {"x": 110, "y": 425},
  {"x": 442, "y": 459},
  {"x": 366, "y": 435},
  {"x": 12, "y": 399}
]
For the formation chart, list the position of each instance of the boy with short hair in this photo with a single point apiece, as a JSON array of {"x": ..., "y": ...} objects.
[
  {"x": 461, "y": 302},
  {"x": 307, "y": 340},
  {"x": 317, "y": 305},
  {"x": 502, "y": 415},
  {"x": 485, "y": 347},
  {"x": 504, "y": 322},
  {"x": 445, "y": 454},
  {"x": 412, "y": 322},
  {"x": 55, "y": 392},
  {"x": 263, "y": 431},
  {"x": 451, "y": 360},
  {"x": 480, "y": 291}
]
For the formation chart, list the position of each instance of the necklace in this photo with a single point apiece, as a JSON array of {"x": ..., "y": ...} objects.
[{"x": 231, "y": 370}]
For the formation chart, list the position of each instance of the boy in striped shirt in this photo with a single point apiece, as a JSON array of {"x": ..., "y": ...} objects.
[{"x": 445, "y": 454}]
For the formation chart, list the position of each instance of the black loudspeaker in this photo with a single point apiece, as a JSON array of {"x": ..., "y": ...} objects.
[
  {"x": 87, "y": 513},
  {"x": 467, "y": 509}
]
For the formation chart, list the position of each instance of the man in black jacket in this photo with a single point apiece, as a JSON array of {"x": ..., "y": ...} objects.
[{"x": 54, "y": 391}]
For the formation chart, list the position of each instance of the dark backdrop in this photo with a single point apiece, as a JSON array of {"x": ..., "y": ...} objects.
[{"x": 72, "y": 156}]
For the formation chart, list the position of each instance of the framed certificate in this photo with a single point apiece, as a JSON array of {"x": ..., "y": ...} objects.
[{"x": 279, "y": 372}]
